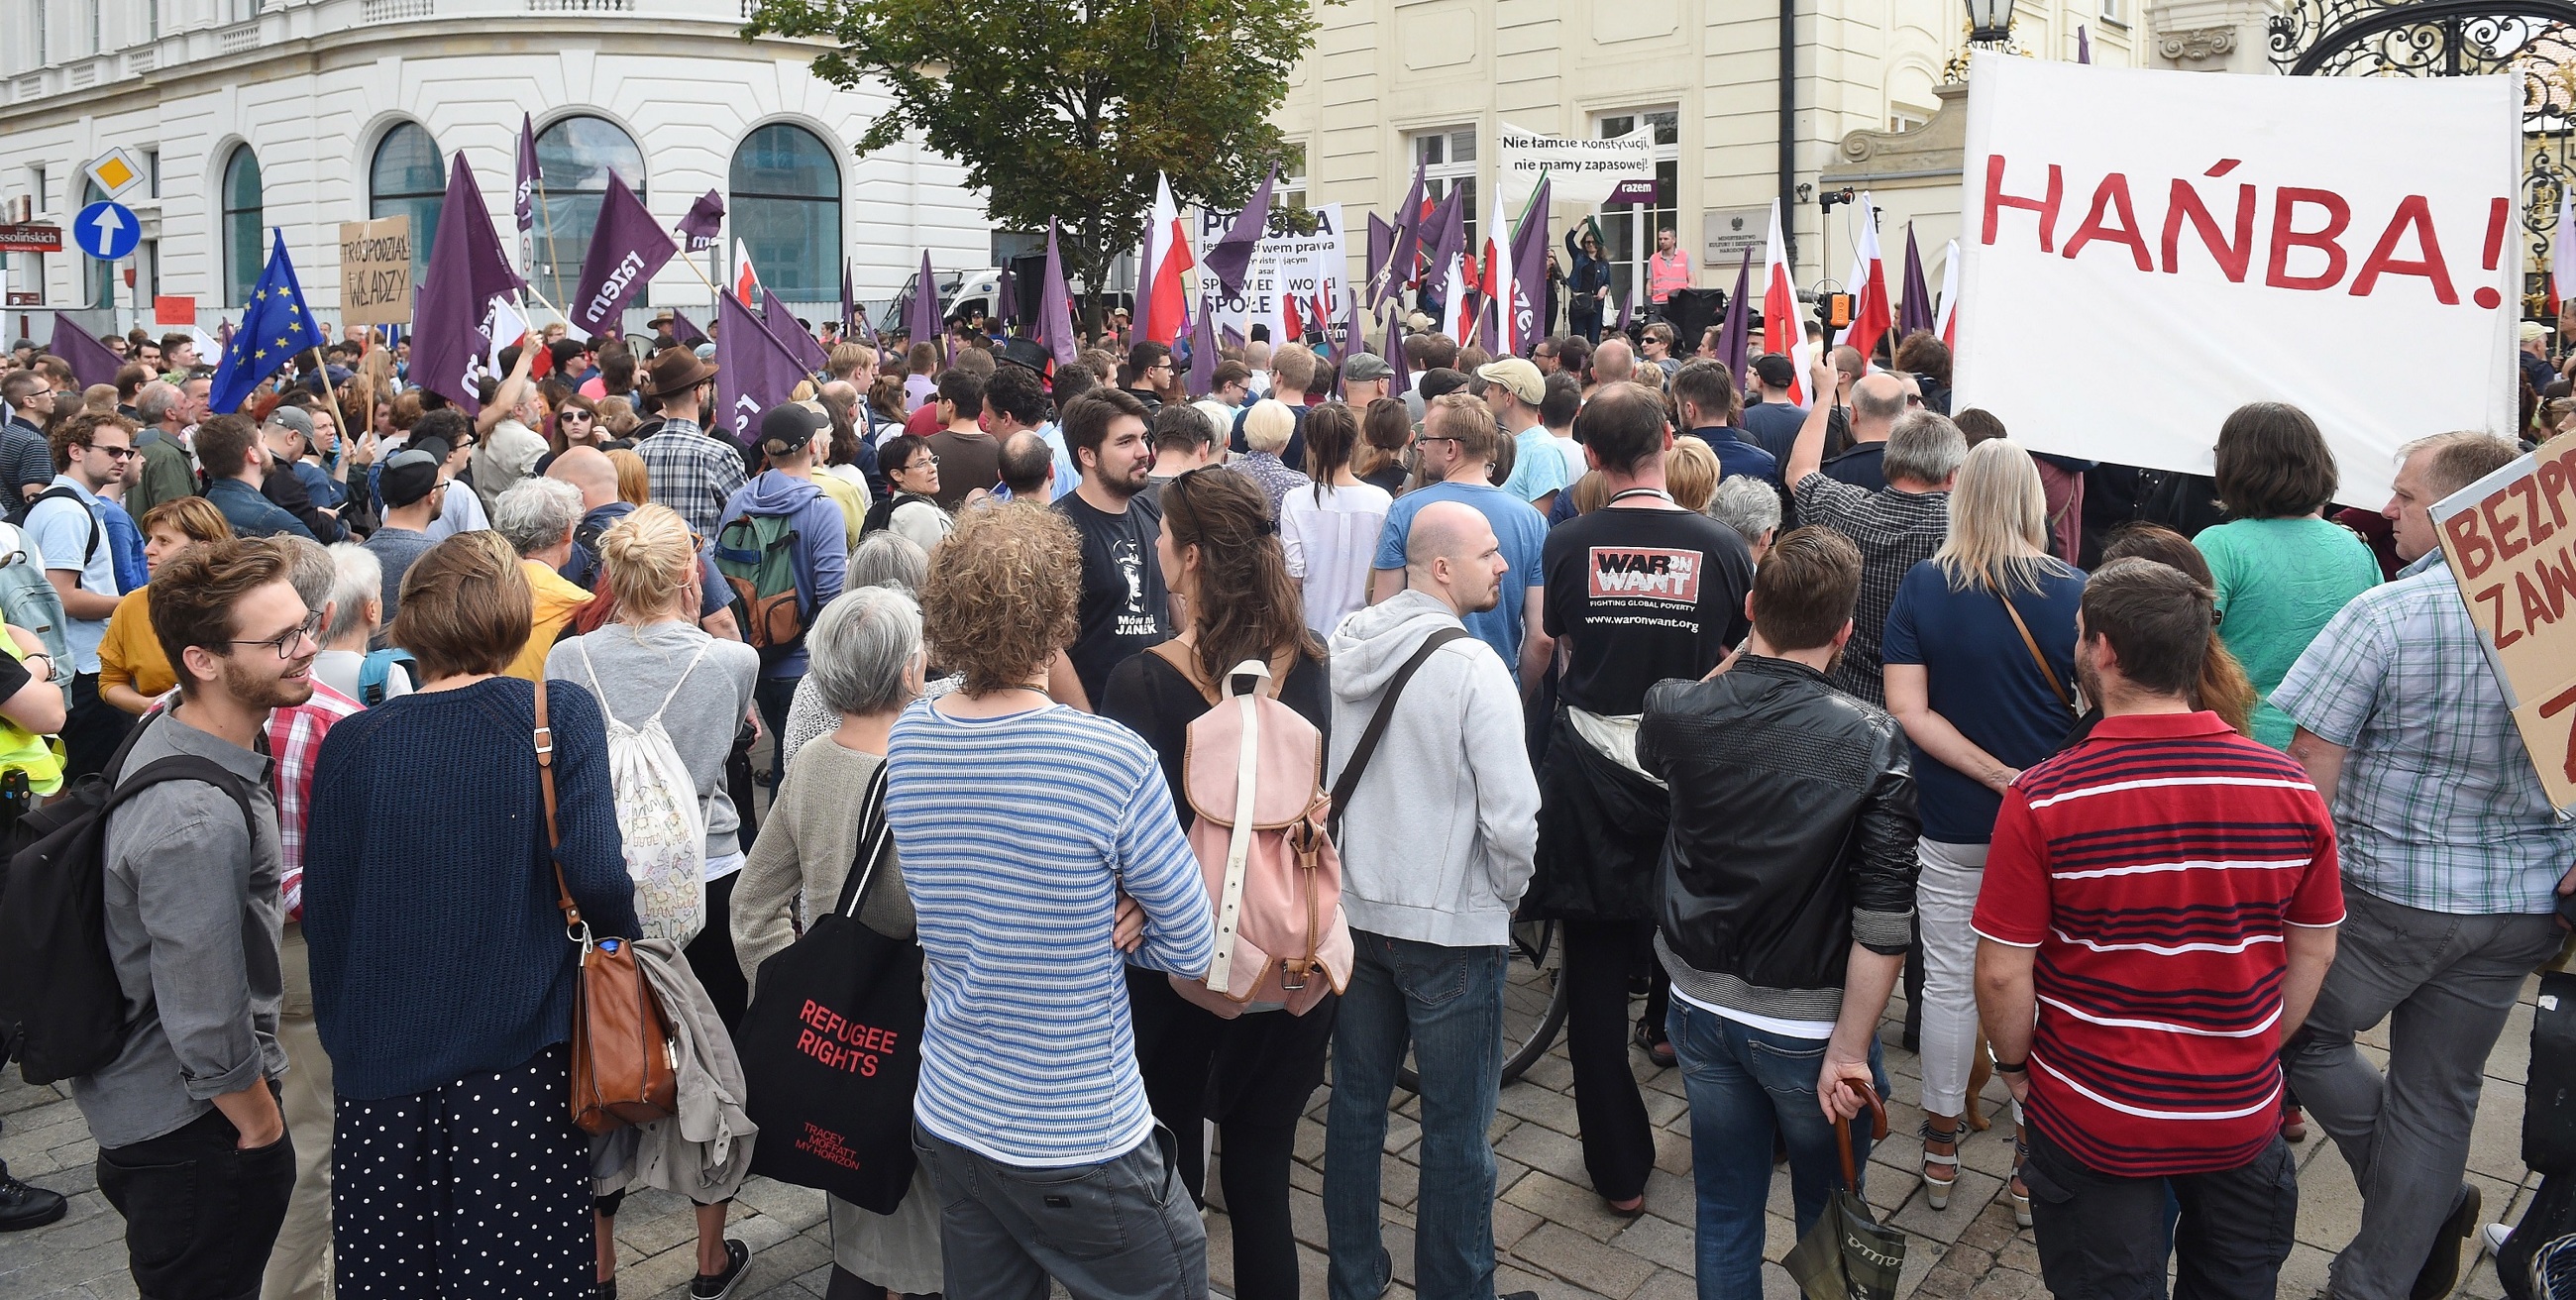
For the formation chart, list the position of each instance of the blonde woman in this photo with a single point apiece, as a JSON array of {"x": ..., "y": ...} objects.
[
  {"x": 1980, "y": 655},
  {"x": 133, "y": 673},
  {"x": 634, "y": 482},
  {"x": 652, "y": 661},
  {"x": 1691, "y": 473}
]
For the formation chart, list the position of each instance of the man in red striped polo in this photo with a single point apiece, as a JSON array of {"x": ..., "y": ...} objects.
[{"x": 2161, "y": 900}]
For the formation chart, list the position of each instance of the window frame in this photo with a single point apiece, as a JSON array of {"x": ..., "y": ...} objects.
[
  {"x": 1441, "y": 177},
  {"x": 1627, "y": 232},
  {"x": 240, "y": 278},
  {"x": 420, "y": 205},
  {"x": 747, "y": 212},
  {"x": 556, "y": 256}
]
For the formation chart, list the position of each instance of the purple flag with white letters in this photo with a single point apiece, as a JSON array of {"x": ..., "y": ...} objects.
[
  {"x": 466, "y": 272},
  {"x": 523, "y": 199},
  {"x": 625, "y": 250},
  {"x": 704, "y": 222},
  {"x": 754, "y": 371}
]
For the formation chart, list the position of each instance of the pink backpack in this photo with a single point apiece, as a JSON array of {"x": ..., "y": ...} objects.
[{"x": 1253, "y": 774}]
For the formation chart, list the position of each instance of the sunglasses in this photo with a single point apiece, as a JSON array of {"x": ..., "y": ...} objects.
[{"x": 112, "y": 453}]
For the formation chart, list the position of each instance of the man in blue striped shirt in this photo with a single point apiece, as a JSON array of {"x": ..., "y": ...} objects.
[{"x": 1031, "y": 1116}]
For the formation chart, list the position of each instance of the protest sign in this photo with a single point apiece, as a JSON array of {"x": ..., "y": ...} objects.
[
  {"x": 1283, "y": 265},
  {"x": 2511, "y": 543},
  {"x": 2349, "y": 245},
  {"x": 375, "y": 271},
  {"x": 1583, "y": 172}
]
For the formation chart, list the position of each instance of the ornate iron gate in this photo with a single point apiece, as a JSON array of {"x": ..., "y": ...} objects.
[{"x": 2532, "y": 40}]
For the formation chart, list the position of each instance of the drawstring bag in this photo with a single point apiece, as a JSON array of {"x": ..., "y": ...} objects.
[{"x": 659, "y": 819}]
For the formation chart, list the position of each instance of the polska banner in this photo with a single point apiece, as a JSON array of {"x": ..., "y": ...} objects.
[
  {"x": 1581, "y": 172},
  {"x": 2125, "y": 290},
  {"x": 1285, "y": 266}
]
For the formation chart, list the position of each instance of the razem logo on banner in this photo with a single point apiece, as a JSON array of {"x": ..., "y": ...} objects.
[
  {"x": 2349, "y": 245},
  {"x": 1284, "y": 264}
]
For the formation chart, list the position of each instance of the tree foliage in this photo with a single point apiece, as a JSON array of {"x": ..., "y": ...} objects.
[{"x": 1068, "y": 108}]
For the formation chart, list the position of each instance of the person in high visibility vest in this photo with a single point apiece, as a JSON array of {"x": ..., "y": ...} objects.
[{"x": 1667, "y": 271}]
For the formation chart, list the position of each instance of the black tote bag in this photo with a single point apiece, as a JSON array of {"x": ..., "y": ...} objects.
[{"x": 831, "y": 1046}]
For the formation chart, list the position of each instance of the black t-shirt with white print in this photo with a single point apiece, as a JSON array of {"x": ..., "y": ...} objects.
[{"x": 1645, "y": 595}]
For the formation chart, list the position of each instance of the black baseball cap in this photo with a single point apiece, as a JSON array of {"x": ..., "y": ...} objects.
[
  {"x": 1775, "y": 370},
  {"x": 408, "y": 475},
  {"x": 788, "y": 426}
]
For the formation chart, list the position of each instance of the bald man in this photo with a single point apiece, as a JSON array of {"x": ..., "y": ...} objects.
[
  {"x": 1877, "y": 399},
  {"x": 589, "y": 469},
  {"x": 1437, "y": 835},
  {"x": 1614, "y": 362}
]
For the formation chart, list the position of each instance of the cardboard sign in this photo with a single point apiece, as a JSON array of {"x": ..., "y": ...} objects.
[
  {"x": 375, "y": 271},
  {"x": 2350, "y": 245},
  {"x": 2511, "y": 541}
]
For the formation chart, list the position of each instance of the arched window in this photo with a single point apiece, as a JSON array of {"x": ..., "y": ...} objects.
[
  {"x": 243, "y": 222},
  {"x": 98, "y": 279},
  {"x": 574, "y": 158},
  {"x": 407, "y": 179},
  {"x": 786, "y": 207}
]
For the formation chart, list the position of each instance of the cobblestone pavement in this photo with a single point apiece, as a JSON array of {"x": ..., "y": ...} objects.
[{"x": 1554, "y": 1235}]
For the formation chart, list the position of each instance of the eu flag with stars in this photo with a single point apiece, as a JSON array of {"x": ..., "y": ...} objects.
[{"x": 276, "y": 327}]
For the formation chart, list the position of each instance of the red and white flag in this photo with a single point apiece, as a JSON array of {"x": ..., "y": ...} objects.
[
  {"x": 1167, "y": 254},
  {"x": 2562, "y": 248},
  {"x": 1872, "y": 314},
  {"x": 746, "y": 282},
  {"x": 1946, "y": 324},
  {"x": 1783, "y": 323}
]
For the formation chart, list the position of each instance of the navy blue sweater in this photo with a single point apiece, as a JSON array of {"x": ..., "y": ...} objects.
[{"x": 429, "y": 901}]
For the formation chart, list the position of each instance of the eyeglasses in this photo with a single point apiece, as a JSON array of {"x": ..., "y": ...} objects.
[
  {"x": 1438, "y": 438},
  {"x": 925, "y": 460},
  {"x": 285, "y": 642},
  {"x": 112, "y": 453}
]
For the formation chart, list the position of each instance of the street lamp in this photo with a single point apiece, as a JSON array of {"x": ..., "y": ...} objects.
[{"x": 1989, "y": 21}]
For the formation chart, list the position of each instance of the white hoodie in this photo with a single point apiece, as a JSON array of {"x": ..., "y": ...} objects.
[{"x": 1438, "y": 839}]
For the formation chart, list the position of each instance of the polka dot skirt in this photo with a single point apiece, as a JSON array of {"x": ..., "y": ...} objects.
[{"x": 480, "y": 1188}]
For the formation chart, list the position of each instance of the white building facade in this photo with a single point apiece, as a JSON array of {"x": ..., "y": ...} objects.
[
  {"x": 303, "y": 114},
  {"x": 1394, "y": 82}
]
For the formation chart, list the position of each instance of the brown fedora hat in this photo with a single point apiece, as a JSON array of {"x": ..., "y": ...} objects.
[{"x": 676, "y": 370}]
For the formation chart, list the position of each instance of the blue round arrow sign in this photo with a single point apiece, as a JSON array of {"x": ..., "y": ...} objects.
[{"x": 106, "y": 231}]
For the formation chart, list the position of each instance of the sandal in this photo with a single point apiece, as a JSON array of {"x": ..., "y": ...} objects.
[
  {"x": 1936, "y": 1190},
  {"x": 2015, "y": 1188}
]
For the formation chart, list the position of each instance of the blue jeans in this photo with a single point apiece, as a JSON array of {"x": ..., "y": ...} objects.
[
  {"x": 1448, "y": 1002},
  {"x": 1744, "y": 1084}
]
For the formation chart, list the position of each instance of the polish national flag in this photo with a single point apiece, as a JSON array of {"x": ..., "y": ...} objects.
[
  {"x": 2562, "y": 248},
  {"x": 1783, "y": 326},
  {"x": 1167, "y": 254},
  {"x": 1946, "y": 324},
  {"x": 746, "y": 282},
  {"x": 1455, "y": 318},
  {"x": 1872, "y": 315}
]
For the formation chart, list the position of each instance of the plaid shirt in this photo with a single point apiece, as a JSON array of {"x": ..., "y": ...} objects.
[
  {"x": 692, "y": 473},
  {"x": 1894, "y": 531},
  {"x": 2438, "y": 806},
  {"x": 294, "y": 742}
]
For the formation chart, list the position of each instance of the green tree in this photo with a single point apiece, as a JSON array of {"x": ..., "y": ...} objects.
[{"x": 1068, "y": 108}]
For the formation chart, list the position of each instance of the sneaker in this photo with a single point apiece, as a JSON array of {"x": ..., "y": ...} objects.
[
  {"x": 604, "y": 1290},
  {"x": 24, "y": 1206},
  {"x": 2441, "y": 1270},
  {"x": 2294, "y": 1125},
  {"x": 717, "y": 1286},
  {"x": 2495, "y": 1234}
]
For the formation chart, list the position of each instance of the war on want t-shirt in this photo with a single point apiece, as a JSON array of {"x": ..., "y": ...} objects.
[
  {"x": 1646, "y": 595},
  {"x": 1123, "y": 605}
]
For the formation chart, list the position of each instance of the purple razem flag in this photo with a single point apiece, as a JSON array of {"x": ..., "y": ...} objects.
[
  {"x": 791, "y": 335},
  {"x": 1230, "y": 257},
  {"x": 625, "y": 250},
  {"x": 466, "y": 272},
  {"x": 704, "y": 222},
  {"x": 1054, "y": 325},
  {"x": 754, "y": 371},
  {"x": 523, "y": 197}
]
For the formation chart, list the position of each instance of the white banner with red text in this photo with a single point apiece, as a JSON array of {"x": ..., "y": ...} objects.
[{"x": 2145, "y": 252}]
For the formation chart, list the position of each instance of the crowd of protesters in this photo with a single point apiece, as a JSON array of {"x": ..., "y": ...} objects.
[{"x": 2150, "y": 792}]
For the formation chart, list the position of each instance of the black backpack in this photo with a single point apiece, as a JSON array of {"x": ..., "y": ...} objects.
[{"x": 60, "y": 1002}]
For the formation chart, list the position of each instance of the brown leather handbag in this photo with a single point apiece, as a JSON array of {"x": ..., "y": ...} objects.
[{"x": 624, "y": 1069}]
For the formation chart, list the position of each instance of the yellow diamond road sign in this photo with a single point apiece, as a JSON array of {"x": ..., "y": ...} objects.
[{"x": 115, "y": 171}]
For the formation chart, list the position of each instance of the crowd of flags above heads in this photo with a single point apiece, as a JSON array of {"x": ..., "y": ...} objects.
[{"x": 1494, "y": 301}]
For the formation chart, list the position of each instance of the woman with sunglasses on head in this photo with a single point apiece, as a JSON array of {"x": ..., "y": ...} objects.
[
  {"x": 912, "y": 477},
  {"x": 1252, "y": 1075}
]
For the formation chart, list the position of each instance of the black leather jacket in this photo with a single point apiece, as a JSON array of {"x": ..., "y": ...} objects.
[{"x": 1793, "y": 809}]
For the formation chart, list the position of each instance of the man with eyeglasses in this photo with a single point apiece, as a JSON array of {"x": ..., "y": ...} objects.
[
  {"x": 69, "y": 529},
  {"x": 1147, "y": 373},
  {"x": 193, "y": 1149},
  {"x": 26, "y": 461}
]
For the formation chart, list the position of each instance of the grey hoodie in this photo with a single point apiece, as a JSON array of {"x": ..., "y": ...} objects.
[{"x": 1438, "y": 838}]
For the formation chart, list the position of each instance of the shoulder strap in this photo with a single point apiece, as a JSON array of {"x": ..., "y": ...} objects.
[
  {"x": 545, "y": 742},
  {"x": 1349, "y": 781},
  {"x": 875, "y": 830},
  {"x": 184, "y": 767},
  {"x": 656, "y": 719},
  {"x": 90, "y": 551},
  {"x": 592, "y": 672},
  {"x": 2031, "y": 643}
]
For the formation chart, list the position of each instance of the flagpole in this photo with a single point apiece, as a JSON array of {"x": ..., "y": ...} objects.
[
  {"x": 546, "y": 218},
  {"x": 339, "y": 413}
]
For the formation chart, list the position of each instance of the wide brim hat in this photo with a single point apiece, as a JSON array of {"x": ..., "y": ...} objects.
[{"x": 676, "y": 370}]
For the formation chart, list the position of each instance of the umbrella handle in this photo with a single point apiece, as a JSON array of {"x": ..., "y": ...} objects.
[{"x": 1842, "y": 1137}]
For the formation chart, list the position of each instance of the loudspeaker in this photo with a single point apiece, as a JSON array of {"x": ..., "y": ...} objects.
[
  {"x": 1691, "y": 312},
  {"x": 1028, "y": 286}
]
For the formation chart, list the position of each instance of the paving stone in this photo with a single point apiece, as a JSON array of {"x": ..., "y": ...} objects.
[
  {"x": 799, "y": 1207},
  {"x": 1558, "y": 1201},
  {"x": 2329, "y": 1203},
  {"x": 1573, "y": 1255},
  {"x": 2303, "y": 1274},
  {"x": 1967, "y": 1201},
  {"x": 1660, "y": 1241},
  {"x": 1543, "y": 1148},
  {"x": 1553, "y": 1109},
  {"x": 1667, "y": 1284}
]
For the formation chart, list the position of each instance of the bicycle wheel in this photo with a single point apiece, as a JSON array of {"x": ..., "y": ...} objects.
[{"x": 1533, "y": 1002}]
